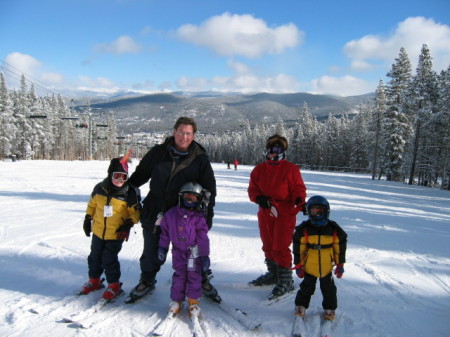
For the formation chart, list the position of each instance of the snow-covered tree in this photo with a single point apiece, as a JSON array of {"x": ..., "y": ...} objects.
[{"x": 423, "y": 97}]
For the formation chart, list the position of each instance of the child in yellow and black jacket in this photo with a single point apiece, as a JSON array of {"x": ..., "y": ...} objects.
[
  {"x": 319, "y": 244},
  {"x": 113, "y": 208}
]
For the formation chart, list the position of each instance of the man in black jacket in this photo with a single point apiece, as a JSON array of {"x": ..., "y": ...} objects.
[{"x": 168, "y": 166}]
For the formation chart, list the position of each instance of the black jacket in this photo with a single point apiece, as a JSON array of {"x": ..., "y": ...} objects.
[{"x": 168, "y": 173}]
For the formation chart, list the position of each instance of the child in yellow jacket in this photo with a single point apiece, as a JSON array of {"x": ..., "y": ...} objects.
[
  {"x": 319, "y": 244},
  {"x": 113, "y": 208}
]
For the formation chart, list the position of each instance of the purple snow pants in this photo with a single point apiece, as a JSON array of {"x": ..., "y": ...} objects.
[{"x": 185, "y": 283}]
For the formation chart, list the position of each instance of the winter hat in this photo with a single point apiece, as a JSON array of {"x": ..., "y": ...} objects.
[
  {"x": 119, "y": 164},
  {"x": 277, "y": 140}
]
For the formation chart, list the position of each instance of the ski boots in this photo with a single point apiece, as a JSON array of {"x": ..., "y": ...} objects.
[
  {"x": 268, "y": 278},
  {"x": 328, "y": 315},
  {"x": 142, "y": 289},
  {"x": 175, "y": 307},
  {"x": 91, "y": 285},
  {"x": 300, "y": 311},
  {"x": 113, "y": 290},
  {"x": 194, "y": 309}
]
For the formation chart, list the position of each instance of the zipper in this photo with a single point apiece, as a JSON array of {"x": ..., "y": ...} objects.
[
  {"x": 108, "y": 200},
  {"x": 319, "y": 252}
]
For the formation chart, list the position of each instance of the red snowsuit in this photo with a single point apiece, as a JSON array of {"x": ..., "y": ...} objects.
[{"x": 282, "y": 183}]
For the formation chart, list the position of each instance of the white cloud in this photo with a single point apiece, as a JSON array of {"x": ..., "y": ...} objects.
[
  {"x": 411, "y": 34},
  {"x": 341, "y": 86},
  {"x": 52, "y": 78},
  {"x": 124, "y": 44},
  {"x": 243, "y": 80},
  {"x": 99, "y": 82},
  {"x": 23, "y": 64},
  {"x": 243, "y": 35}
]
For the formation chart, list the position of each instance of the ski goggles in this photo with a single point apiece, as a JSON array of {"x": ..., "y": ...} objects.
[
  {"x": 276, "y": 149},
  {"x": 120, "y": 176},
  {"x": 317, "y": 210}
]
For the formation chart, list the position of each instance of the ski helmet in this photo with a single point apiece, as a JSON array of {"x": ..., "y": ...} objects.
[
  {"x": 191, "y": 188},
  {"x": 318, "y": 217}
]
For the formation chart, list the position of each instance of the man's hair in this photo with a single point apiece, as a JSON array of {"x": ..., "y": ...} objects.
[{"x": 187, "y": 121}]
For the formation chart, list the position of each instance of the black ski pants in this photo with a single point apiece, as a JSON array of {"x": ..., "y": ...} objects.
[
  {"x": 104, "y": 257},
  {"x": 149, "y": 263},
  {"x": 308, "y": 286}
]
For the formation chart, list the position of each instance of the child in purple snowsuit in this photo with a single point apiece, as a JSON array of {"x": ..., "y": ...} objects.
[{"x": 185, "y": 227}]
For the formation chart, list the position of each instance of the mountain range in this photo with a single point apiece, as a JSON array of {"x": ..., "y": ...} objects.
[{"x": 215, "y": 111}]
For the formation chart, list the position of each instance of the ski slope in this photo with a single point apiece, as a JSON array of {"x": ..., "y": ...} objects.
[{"x": 396, "y": 281}]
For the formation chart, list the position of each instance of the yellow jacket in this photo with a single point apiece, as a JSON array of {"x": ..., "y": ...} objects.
[
  {"x": 318, "y": 249},
  {"x": 125, "y": 202}
]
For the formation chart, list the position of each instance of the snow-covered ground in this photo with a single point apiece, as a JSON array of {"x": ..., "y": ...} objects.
[{"x": 396, "y": 281}]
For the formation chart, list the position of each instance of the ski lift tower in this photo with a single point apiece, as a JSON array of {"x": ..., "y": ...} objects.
[{"x": 90, "y": 114}]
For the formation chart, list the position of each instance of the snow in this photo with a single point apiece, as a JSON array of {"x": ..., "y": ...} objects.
[{"x": 396, "y": 281}]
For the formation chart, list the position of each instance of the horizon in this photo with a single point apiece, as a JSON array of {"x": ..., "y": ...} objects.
[{"x": 146, "y": 46}]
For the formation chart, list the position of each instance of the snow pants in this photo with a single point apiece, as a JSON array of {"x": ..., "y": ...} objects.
[
  {"x": 104, "y": 257},
  {"x": 185, "y": 283},
  {"x": 149, "y": 263},
  {"x": 276, "y": 236},
  {"x": 308, "y": 286}
]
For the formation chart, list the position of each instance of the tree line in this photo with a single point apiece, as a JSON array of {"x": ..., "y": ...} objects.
[
  {"x": 35, "y": 127},
  {"x": 403, "y": 134}
]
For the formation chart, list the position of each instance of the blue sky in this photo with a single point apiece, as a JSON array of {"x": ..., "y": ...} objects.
[{"x": 334, "y": 47}]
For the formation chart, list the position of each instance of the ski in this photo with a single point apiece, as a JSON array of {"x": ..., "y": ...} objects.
[
  {"x": 196, "y": 327},
  {"x": 326, "y": 328},
  {"x": 75, "y": 321},
  {"x": 237, "y": 314},
  {"x": 299, "y": 327},
  {"x": 165, "y": 325},
  {"x": 279, "y": 299}
]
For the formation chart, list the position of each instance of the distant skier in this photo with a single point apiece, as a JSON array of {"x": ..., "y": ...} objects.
[
  {"x": 276, "y": 185},
  {"x": 319, "y": 244},
  {"x": 236, "y": 163},
  {"x": 185, "y": 227},
  {"x": 113, "y": 208}
]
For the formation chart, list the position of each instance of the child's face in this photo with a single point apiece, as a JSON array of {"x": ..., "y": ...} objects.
[
  {"x": 119, "y": 178},
  {"x": 317, "y": 210},
  {"x": 190, "y": 198}
]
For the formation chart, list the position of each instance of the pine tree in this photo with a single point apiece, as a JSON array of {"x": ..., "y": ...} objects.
[
  {"x": 375, "y": 129},
  {"x": 424, "y": 95},
  {"x": 396, "y": 125},
  {"x": 7, "y": 126}
]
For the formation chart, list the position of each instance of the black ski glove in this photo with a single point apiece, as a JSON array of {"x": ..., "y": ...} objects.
[
  {"x": 300, "y": 203},
  {"x": 87, "y": 225},
  {"x": 123, "y": 232},
  {"x": 209, "y": 222},
  {"x": 162, "y": 255},
  {"x": 263, "y": 201}
]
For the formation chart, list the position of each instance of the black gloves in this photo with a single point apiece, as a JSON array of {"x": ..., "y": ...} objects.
[
  {"x": 162, "y": 255},
  {"x": 123, "y": 232},
  {"x": 300, "y": 203},
  {"x": 263, "y": 201},
  {"x": 209, "y": 221},
  {"x": 205, "y": 263},
  {"x": 87, "y": 225}
]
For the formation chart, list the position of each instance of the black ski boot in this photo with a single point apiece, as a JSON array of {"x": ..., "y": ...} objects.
[
  {"x": 208, "y": 290},
  {"x": 268, "y": 278},
  {"x": 284, "y": 285},
  {"x": 142, "y": 289}
]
